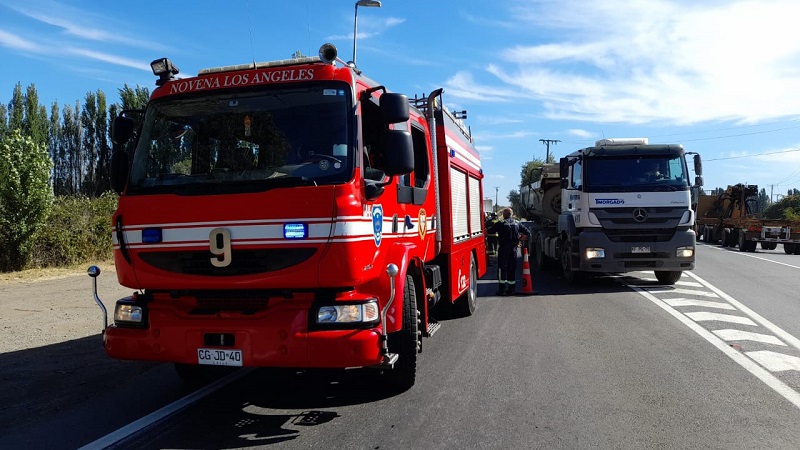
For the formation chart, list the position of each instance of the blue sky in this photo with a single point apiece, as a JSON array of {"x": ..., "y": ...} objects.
[{"x": 720, "y": 77}]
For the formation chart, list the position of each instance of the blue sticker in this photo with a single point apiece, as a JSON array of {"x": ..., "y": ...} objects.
[{"x": 377, "y": 224}]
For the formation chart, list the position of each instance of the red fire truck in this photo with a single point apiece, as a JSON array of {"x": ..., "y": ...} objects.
[{"x": 291, "y": 214}]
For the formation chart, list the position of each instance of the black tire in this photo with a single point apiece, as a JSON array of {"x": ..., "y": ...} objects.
[
  {"x": 405, "y": 342},
  {"x": 769, "y": 245},
  {"x": 468, "y": 302},
  {"x": 740, "y": 240},
  {"x": 541, "y": 261},
  {"x": 570, "y": 276},
  {"x": 789, "y": 248},
  {"x": 726, "y": 237},
  {"x": 668, "y": 276},
  {"x": 751, "y": 246}
]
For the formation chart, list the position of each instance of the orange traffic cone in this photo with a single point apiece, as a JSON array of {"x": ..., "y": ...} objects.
[{"x": 527, "y": 283}]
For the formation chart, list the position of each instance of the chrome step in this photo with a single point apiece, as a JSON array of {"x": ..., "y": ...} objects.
[{"x": 433, "y": 327}]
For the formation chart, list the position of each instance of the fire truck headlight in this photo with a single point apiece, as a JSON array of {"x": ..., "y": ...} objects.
[
  {"x": 595, "y": 253},
  {"x": 684, "y": 252},
  {"x": 354, "y": 313},
  {"x": 128, "y": 314}
]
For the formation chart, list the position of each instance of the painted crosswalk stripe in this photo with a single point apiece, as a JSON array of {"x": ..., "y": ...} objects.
[
  {"x": 674, "y": 302},
  {"x": 741, "y": 335},
  {"x": 774, "y": 361},
  {"x": 660, "y": 289},
  {"x": 708, "y": 316}
]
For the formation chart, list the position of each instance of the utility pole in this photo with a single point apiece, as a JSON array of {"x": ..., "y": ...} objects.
[
  {"x": 547, "y": 142},
  {"x": 496, "y": 190}
]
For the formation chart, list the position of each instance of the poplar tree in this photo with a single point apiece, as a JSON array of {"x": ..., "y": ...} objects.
[{"x": 25, "y": 197}]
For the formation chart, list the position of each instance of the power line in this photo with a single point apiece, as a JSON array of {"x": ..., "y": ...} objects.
[{"x": 754, "y": 154}]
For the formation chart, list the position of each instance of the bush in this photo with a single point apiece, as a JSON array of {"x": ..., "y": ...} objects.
[
  {"x": 25, "y": 197},
  {"x": 79, "y": 230},
  {"x": 788, "y": 208}
]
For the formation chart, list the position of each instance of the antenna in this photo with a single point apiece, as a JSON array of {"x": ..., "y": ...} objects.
[{"x": 250, "y": 30}]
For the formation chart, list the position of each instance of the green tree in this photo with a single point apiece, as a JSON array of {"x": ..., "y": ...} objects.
[
  {"x": 787, "y": 208},
  {"x": 3, "y": 121},
  {"x": 35, "y": 122},
  {"x": 531, "y": 171},
  {"x": 25, "y": 197},
  {"x": 516, "y": 203},
  {"x": 763, "y": 200},
  {"x": 16, "y": 109}
]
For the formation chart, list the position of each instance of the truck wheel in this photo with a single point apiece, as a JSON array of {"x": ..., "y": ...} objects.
[
  {"x": 405, "y": 342},
  {"x": 542, "y": 262},
  {"x": 726, "y": 237},
  {"x": 788, "y": 248},
  {"x": 741, "y": 241},
  {"x": 466, "y": 304},
  {"x": 668, "y": 276},
  {"x": 566, "y": 263}
]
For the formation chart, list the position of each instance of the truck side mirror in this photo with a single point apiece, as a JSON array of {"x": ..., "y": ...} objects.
[
  {"x": 394, "y": 108},
  {"x": 121, "y": 129},
  {"x": 698, "y": 181},
  {"x": 698, "y": 165},
  {"x": 119, "y": 170},
  {"x": 399, "y": 158}
]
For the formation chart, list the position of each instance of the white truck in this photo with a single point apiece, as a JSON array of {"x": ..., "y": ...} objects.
[{"x": 622, "y": 205}]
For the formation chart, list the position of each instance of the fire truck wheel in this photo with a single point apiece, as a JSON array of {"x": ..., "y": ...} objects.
[
  {"x": 668, "y": 276},
  {"x": 466, "y": 304},
  {"x": 406, "y": 342}
]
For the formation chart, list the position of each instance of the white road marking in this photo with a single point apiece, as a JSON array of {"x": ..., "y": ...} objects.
[
  {"x": 754, "y": 256},
  {"x": 743, "y": 360},
  {"x": 675, "y": 302},
  {"x": 774, "y": 361},
  {"x": 741, "y": 335},
  {"x": 782, "y": 335},
  {"x": 680, "y": 283},
  {"x": 709, "y": 316},
  {"x": 157, "y": 416},
  {"x": 658, "y": 289}
]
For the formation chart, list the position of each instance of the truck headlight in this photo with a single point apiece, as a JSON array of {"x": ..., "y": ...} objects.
[
  {"x": 352, "y": 313},
  {"x": 595, "y": 253},
  {"x": 684, "y": 252},
  {"x": 129, "y": 314}
]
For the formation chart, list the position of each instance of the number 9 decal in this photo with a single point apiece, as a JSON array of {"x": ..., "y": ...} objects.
[{"x": 220, "y": 244}]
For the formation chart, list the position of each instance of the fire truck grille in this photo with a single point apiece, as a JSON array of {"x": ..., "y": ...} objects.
[{"x": 243, "y": 262}]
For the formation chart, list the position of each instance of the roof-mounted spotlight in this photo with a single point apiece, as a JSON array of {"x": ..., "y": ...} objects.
[
  {"x": 460, "y": 114},
  {"x": 164, "y": 69},
  {"x": 328, "y": 53}
]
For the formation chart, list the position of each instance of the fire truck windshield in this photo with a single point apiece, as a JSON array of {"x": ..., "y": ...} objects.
[
  {"x": 245, "y": 140},
  {"x": 634, "y": 173}
]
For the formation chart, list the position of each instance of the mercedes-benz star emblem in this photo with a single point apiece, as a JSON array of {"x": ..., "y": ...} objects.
[{"x": 639, "y": 214}]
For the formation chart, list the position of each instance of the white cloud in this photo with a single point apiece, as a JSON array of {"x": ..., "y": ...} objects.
[
  {"x": 16, "y": 42},
  {"x": 641, "y": 61},
  {"x": 581, "y": 133},
  {"x": 112, "y": 59}
]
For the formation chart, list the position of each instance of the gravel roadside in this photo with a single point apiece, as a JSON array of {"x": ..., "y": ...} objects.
[{"x": 51, "y": 354}]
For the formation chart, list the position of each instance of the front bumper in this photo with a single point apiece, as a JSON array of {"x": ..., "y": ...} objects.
[
  {"x": 278, "y": 336},
  {"x": 620, "y": 257}
]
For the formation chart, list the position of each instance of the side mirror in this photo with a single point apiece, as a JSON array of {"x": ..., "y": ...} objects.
[
  {"x": 698, "y": 165},
  {"x": 698, "y": 181},
  {"x": 121, "y": 130},
  {"x": 399, "y": 153},
  {"x": 119, "y": 171},
  {"x": 394, "y": 108}
]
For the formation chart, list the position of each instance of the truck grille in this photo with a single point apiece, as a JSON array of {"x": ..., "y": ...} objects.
[
  {"x": 639, "y": 224},
  {"x": 243, "y": 262}
]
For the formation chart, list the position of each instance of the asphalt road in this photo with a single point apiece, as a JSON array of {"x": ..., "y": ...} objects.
[{"x": 613, "y": 363}]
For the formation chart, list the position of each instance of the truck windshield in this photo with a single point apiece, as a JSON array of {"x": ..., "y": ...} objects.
[
  {"x": 245, "y": 141},
  {"x": 639, "y": 173}
]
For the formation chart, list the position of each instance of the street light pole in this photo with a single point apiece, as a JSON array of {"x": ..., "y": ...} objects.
[{"x": 366, "y": 4}]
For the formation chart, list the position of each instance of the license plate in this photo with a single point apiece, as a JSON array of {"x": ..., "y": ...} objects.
[
  {"x": 219, "y": 357},
  {"x": 640, "y": 249}
]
